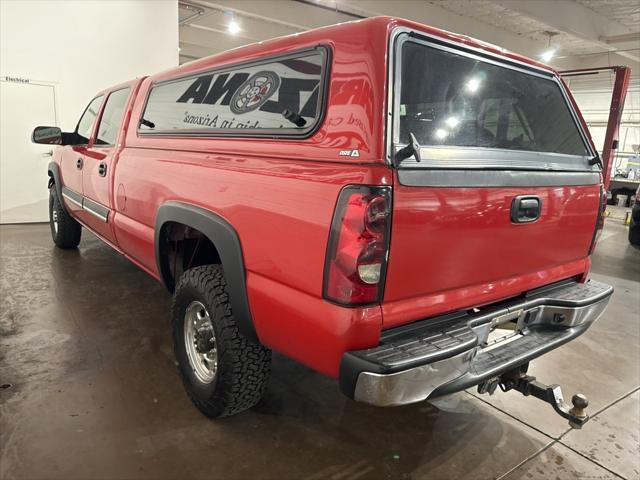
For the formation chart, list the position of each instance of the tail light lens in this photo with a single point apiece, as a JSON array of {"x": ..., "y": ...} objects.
[
  {"x": 600, "y": 220},
  {"x": 358, "y": 246}
]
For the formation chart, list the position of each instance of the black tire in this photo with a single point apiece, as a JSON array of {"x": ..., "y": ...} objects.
[
  {"x": 634, "y": 235},
  {"x": 68, "y": 231},
  {"x": 243, "y": 367}
]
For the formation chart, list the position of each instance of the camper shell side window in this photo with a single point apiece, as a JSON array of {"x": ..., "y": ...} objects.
[{"x": 276, "y": 96}]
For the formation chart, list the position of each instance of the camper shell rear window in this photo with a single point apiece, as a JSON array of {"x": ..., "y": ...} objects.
[
  {"x": 276, "y": 96},
  {"x": 470, "y": 111}
]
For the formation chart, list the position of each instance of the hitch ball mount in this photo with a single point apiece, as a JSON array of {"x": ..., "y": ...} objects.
[{"x": 552, "y": 394}]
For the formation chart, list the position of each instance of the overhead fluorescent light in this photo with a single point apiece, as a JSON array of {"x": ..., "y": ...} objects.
[
  {"x": 441, "y": 134},
  {"x": 233, "y": 27},
  {"x": 548, "y": 55},
  {"x": 452, "y": 121}
]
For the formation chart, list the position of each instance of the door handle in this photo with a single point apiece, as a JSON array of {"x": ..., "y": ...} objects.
[
  {"x": 102, "y": 169},
  {"x": 79, "y": 163},
  {"x": 525, "y": 209},
  {"x": 48, "y": 154}
]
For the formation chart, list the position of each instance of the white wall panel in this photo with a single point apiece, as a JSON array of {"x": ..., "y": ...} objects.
[{"x": 78, "y": 47}]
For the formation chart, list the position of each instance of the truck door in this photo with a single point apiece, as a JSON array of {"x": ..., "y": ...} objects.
[
  {"x": 72, "y": 158},
  {"x": 620, "y": 77},
  {"x": 99, "y": 160}
]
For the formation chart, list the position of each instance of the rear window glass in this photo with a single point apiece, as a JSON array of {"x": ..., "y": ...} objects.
[
  {"x": 448, "y": 99},
  {"x": 281, "y": 95}
]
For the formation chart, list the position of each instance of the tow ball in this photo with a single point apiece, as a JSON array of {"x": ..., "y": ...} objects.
[{"x": 552, "y": 394}]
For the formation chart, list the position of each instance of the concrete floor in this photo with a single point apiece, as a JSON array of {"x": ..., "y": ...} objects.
[{"x": 85, "y": 347}]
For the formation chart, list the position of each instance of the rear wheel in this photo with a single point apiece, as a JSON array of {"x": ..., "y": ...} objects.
[
  {"x": 223, "y": 372},
  {"x": 65, "y": 230}
]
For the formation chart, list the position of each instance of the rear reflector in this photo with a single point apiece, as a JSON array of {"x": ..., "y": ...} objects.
[{"x": 358, "y": 246}]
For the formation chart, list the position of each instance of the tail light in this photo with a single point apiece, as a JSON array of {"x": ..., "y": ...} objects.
[
  {"x": 358, "y": 247},
  {"x": 600, "y": 220}
]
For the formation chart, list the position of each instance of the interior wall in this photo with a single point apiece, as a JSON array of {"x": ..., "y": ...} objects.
[
  {"x": 85, "y": 46},
  {"x": 594, "y": 103},
  {"x": 79, "y": 47},
  {"x": 593, "y": 95}
]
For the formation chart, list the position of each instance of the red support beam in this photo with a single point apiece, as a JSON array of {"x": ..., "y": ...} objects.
[{"x": 620, "y": 86}]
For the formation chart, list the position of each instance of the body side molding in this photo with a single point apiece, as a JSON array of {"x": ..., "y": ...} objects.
[{"x": 225, "y": 239}]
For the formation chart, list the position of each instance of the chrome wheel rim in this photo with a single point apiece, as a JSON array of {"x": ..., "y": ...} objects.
[
  {"x": 200, "y": 342},
  {"x": 54, "y": 218}
]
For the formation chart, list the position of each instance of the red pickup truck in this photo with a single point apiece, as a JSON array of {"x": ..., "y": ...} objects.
[{"x": 402, "y": 208}]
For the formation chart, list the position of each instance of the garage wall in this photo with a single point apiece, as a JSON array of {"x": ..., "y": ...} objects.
[
  {"x": 593, "y": 95},
  {"x": 76, "y": 48},
  {"x": 85, "y": 46}
]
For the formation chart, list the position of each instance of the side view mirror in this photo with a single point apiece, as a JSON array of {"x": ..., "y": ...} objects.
[{"x": 47, "y": 135}]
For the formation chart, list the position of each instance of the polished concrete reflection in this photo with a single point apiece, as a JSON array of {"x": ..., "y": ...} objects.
[{"x": 92, "y": 391}]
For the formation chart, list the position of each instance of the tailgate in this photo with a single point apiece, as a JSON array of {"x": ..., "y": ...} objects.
[
  {"x": 455, "y": 248},
  {"x": 503, "y": 193}
]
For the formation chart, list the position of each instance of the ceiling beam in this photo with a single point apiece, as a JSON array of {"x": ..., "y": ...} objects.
[
  {"x": 221, "y": 31},
  {"x": 271, "y": 17},
  {"x": 627, "y": 37},
  {"x": 439, "y": 17},
  {"x": 194, "y": 11},
  {"x": 572, "y": 18},
  {"x": 265, "y": 19},
  {"x": 212, "y": 41}
]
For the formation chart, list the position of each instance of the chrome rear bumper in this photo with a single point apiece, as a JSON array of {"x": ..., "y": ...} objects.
[{"x": 447, "y": 354}]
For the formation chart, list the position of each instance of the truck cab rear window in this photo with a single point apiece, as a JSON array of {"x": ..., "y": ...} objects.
[
  {"x": 453, "y": 100},
  {"x": 279, "y": 96}
]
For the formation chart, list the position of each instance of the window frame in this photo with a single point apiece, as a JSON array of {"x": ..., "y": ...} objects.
[
  {"x": 470, "y": 157},
  {"x": 93, "y": 129},
  {"x": 95, "y": 143},
  {"x": 272, "y": 133}
]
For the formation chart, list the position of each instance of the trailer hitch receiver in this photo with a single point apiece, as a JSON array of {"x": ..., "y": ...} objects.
[{"x": 552, "y": 394}]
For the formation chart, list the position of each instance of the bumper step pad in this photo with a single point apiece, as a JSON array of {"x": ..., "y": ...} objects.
[
  {"x": 419, "y": 346},
  {"x": 573, "y": 294}
]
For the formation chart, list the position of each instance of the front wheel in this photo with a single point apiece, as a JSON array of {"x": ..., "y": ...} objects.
[
  {"x": 65, "y": 230},
  {"x": 223, "y": 372}
]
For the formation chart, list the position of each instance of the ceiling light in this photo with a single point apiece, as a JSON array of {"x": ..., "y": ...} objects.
[
  {"x": 233, "y": 27},
  {"x": 548, "y": 55},
  {"x": 551, "y": 49},
  {"x": 441, "y": 134},
  {"x": 452, "y": 122},
  {"x": 473, "y": 85}
]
